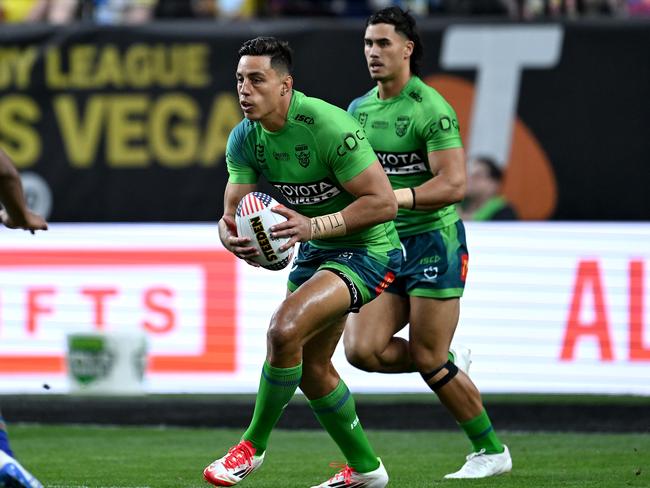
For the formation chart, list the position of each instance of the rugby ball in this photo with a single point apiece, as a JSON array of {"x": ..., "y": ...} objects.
[{"x": 253, "y": 218}]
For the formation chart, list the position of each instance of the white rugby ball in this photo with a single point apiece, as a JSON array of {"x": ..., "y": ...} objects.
[{"x": 253, "y": 218}]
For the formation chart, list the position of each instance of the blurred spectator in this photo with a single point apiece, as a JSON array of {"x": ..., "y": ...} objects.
[
  {"x": 16, "y": 10},
  {"x": 532, "y": 9},
  {"x": 123, "y": 11},
  {"x": 52, "y": 11},
  {"x": 483, "y": 199}
]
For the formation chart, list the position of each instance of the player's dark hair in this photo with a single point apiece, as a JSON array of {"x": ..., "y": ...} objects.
[
  {"x": 494, "y": 170},
  {"x": 279, "y": 52},
  {"x": 405, "y": 24}
]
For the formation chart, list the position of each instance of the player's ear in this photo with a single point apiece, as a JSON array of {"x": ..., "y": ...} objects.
[
  {"x": 408, "y": 48},
  {"x": 287, "y": 85}
]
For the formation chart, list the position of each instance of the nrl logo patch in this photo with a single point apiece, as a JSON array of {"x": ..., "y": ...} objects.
[
  {"x": 303, "y": 154},
  {"x": 363, "y": 118},
  {"x": 402, "y": 124}
]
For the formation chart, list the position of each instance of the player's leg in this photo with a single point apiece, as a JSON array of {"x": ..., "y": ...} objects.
[
  {"x": 365, "y": 275},
  {"x": 334, "y": 407},
  {"x": 302, "y": 315},
  {"x": 433, "y": 323},
  {"x": 12, "y": 473},
  {"x": 435, "y": 306},
  {"x": 4, "y": 437},
  {"x": 368, "y": 339}
]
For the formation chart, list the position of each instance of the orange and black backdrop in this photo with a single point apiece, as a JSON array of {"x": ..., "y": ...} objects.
[{"x": 131, "y": 123}]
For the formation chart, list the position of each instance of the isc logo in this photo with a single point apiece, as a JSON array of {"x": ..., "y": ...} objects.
[{"x": 304, "y": 118}]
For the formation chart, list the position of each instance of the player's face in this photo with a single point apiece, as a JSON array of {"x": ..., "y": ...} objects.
[
  {"x": 259, "y": 86},
  {"x": 387, "y": 52}
]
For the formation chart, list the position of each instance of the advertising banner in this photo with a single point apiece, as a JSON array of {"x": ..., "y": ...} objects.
[
  {"x": 552, "y": 308},
  {"x": 128, "y": 124}
]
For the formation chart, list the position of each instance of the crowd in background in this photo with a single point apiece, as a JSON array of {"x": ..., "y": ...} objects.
[{"x": 137, "y": 11}]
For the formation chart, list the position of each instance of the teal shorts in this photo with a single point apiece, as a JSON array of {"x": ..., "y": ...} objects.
[
  {"x": 366, "y": 274},
  {"x": 435, "y": 264}
]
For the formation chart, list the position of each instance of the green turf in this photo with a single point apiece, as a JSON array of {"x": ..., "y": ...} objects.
[{"x": 93, "y": 457}]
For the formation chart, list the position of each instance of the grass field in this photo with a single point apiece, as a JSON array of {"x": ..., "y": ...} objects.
[{"x": 120, "y": 457}]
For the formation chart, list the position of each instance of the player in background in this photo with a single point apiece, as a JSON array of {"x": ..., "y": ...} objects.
[
  {"x": 319, "y": 158},
  {"x": 14, "y": 215},
  {"x": 415, "y": 133}
]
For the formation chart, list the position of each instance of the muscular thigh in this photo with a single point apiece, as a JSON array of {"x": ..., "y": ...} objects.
[
  {"x": 312, "y": 308},
  {"x": 433, "y": 323},
  {"x": 372, "y": 328}
]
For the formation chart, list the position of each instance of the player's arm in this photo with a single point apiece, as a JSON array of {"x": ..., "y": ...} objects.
[
  {"x": 15, "y": 214},
  {"x": 445, "y": 188},
  {"x": 375, "y": 203},
  {"x": 239, "y": 246}
]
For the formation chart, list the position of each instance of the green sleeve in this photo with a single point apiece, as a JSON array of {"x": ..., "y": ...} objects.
[
  {"x": 239, "y": 158},
  {"x": 438, "y": 125}
]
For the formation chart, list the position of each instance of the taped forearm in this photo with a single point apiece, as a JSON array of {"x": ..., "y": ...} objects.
[
  {"x": 326, "y": 226},
  {"x": 405, "y": 198}
]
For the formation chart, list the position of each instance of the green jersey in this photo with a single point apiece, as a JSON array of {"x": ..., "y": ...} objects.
[
  {"x": 319, "y": 147},
  {"x": 403, "y": 130}
]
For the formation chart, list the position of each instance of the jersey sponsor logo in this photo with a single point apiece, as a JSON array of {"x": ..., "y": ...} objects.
[
  {"x": 308, "y": 193},
  {"x": 303, "y": 154},
  {"x": 380, "y": 124},
  {"x": 445, "y": 124},
  {"x": 281, "y": 156},
  {"x": 304, "y": 118},
  {"x": 430, "y": 260},
  {"x": 402, "y": 125},
  {"x": 415, "y": 96},
  {"x": 363, "y": 118},
  {"x": 402, "y": 163},
  {"x": 350, "y": 142}
]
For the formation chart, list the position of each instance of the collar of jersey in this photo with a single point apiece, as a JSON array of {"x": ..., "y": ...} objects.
[
  {"x": 296, "y": 98},
  {"x": 397, "y": 97}
]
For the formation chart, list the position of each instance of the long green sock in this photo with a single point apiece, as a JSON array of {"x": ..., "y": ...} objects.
[
  {"x": 481, "y": 434},
  {"x": 277, "y": 387},
  {"x": 337, "y": 414}
]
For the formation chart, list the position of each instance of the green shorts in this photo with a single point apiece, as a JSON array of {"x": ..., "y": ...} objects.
[
  {"x": 435, "y": 264},
  {"x": 366, "y": 274}
]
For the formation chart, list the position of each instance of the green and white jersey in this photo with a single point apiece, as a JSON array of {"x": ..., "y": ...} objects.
[
  {"x": 319, "y": 147},
  {"x": 403, "y": 130}
]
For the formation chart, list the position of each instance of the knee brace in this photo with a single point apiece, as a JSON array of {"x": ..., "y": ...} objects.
[{"x": 452, "y": 370}]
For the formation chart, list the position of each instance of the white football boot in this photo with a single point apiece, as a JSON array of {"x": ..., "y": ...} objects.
[
  {"x": 239, "y": 462},
  {"x": 13, "y": 475},
  {"x": 482, "y": 465},
  {"x": 349, "y": 478},
  {"x": 462, "y": 357}
]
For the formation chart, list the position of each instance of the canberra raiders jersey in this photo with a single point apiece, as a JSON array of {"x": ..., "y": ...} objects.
[
  {"x": 403, "y": 130},
  {"x": 319, "y": 147}
]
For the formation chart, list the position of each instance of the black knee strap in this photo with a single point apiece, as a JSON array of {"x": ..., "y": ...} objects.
[{"x": 452, "y": 370}]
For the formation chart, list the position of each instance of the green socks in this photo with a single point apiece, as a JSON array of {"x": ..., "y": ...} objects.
[
  {"x": 277, "y": 387},
  {"x": 481, "y": 434},
  {"x": 337, "y": 414}
]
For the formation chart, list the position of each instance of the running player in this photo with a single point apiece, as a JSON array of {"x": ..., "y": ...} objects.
[
  {"x": 414, "y": 131},
  {"x": 318, "y": 157},
  {"x": 14, "y": 215}
]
